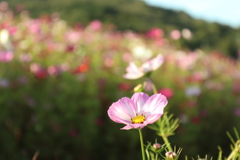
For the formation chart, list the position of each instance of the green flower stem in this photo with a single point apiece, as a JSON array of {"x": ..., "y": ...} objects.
[
  {"x": 142, "y": 145},
  {"x": 153, "y": 86},
  {"x": 156, "y": 157},
  {"x": 165, "y": 139},
  {"x": 154, "y": 89}
]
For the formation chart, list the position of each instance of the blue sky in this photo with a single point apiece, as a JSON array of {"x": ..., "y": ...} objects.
[{"x": 221, "y": 11}]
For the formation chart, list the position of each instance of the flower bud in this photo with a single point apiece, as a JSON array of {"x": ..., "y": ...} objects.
[
  {"x": 156, "y": 146},
  {"x": 170, "y": 155},
  {"x": 138, "y": 88}
]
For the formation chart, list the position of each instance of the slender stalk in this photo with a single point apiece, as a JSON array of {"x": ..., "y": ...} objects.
[
  {"x": 153, "y": 86},
  {"x": 156, "y": 157},
  {"x": 165, "y": 139},
  {"x": 142, "y": 145}
]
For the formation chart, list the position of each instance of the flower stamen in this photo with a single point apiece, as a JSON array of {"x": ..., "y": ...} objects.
[{"x": 138, "y": 119}]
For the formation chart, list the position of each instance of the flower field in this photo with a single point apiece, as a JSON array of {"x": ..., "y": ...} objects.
[{"x": 58, "y": 81}]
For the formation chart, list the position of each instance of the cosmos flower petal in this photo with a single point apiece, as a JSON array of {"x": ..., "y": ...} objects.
[
  {"x": 156, "y": 62},
  {"x": 153, "y": 108},
  {"x": 133, "y": 72},
  {"x": 146, "y": 109},
  {"x": 132, "y": 126},
  {"x": 139, "y": 100},
  {"x": 133, "y": 75},
  {"x": 122, "y": 111},
  {"x": 153, "y": 64},
  {"x": 132, "y": 68}
]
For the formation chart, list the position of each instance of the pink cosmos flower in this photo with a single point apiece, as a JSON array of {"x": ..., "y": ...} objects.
[
  {"x": 175, "y": 34},
  {"x": 166, "y": 92},
  {"x": 137, "y": 111},
  {"x": 155, "y": 33},
  {"x": 6, "y": 56},
  {"x": 95, "y": 25},
  {"x": 134, "y": 72}
]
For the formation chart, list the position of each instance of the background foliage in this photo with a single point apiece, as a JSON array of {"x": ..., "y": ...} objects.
[{"x": 137, "y": 16}]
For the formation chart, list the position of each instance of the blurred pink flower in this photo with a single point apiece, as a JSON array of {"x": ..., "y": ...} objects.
[
  {"x": 134, "y": 72},
  {"x": 73, "y": 36},
  {"x": 127, "y": 57},
  {"x": 38, "y": 71},
  {"x": 3, "y": 6},
  {"x": 34, "y": 26},
  {"x": 6, "y": 56},
  {"x": 167, "y": 92},
  {"x": 237, "y": 111},
  {"x": 197, "y": 77},
  {"x": 108, "y": 62},
  {"x": 25, "y": 57},
  {"x": 95, "y": 25},
  {"x": 186, "y": 61},
  {"x": 34, "y": 67},
  {"x": 160, "y": 42},
  {"x": 175, "y": 34},
  {"x": 155, "y": 33},
  {"x": 53, "y": 70},
  {"x": 137, "y": 111}
]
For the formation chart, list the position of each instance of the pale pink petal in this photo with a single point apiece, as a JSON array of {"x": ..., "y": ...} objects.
[
  {"x": 132, "y": 68},
  {"x": 131, "y": 126},
  {"x": 156, "y": 62},
  {"x": 139, "y": 100},
  {"x": 133, "y": 75},
  {"x": 127, "y": 127},
  {"x": 146, "y": 67},
  {"x": 122, "y": 111},
  {"x": 133, "y": 72},
  {"x": 154, "y": 107},
  {"x": 152, "y": 64}
]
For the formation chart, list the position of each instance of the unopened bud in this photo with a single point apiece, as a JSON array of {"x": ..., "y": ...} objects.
[
  {"x": 171, "y": 155},
  {"x": 156, "y": 146},
  {"x": 138, "y": 88}
]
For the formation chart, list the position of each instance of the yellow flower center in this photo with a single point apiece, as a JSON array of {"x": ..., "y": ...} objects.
[{"x": 138, "y": 119}]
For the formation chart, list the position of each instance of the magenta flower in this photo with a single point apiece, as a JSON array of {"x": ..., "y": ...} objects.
[
  {"x": 138, "y": 111},
  {"x": 166, "y": 92},
  {"x": 155, "y": 33},
  {"x": 6, "y": 56},
  {"x": 134, "y": 72}
]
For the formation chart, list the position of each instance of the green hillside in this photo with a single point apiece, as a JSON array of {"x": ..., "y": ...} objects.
[{"x": 137, "y": 16}]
